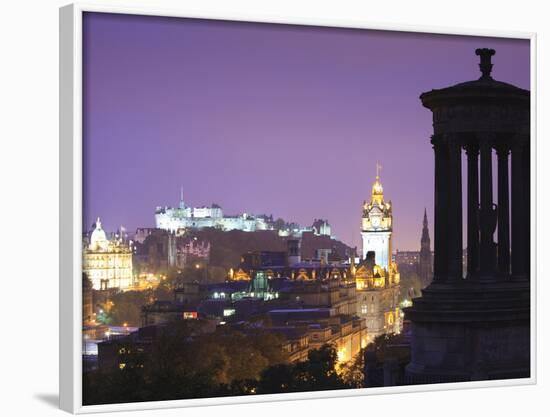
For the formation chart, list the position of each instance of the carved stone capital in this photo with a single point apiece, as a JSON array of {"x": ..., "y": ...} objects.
[
  {"x": 503, "y": 150},
  {"x": 471, "y": 148}
]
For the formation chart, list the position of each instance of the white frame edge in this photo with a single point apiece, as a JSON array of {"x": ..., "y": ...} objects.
[{"x": 70, "y": 214}]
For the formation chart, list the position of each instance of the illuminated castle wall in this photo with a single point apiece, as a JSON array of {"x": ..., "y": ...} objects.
[
  {"x": 184, "y": 217},
  {"x": 108, "y": 263}
]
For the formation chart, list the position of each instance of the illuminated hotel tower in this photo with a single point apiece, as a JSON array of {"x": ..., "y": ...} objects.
[
  {"x": 377, "y": 277},
  {"x": 376, "y": 229}
]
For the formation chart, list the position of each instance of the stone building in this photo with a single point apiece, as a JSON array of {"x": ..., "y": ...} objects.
[
  {"x": 477, "y": 327},
  {"x": 315, "y": 327},
  {"x": 158, "y": 252},
  {"x": 376, "y": 230},
  {"x": 377, "y": 276},
  {"x": 185, "y": 217},
  {"x": 108, "y": 263}
]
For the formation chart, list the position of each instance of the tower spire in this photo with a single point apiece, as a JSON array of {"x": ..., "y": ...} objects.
[
  {"x": 425, "y": 221},
  {"x": 377, "y": 189},
  {"x": 182, "y": 204},
  {"x": 425, "y": 240},
  {"x": 425, "y": 264}
]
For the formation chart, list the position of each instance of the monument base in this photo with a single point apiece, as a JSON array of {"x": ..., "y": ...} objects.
[{"x": 470, "y": 331}]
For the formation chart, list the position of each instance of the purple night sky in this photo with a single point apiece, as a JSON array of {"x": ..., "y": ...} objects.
[{"x": 263, "y": 118}]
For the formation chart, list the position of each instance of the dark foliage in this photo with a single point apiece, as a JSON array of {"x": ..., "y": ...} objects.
[{"x": 186, "y": 365}]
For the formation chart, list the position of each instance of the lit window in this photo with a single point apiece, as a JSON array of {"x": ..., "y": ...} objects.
[
  {"x": 364, "y": 309},
  {"x": 228, "y": 312},
  {"x": 122, "y": 365}
]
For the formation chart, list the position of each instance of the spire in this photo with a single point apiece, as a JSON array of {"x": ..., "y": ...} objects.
[
  {"x": 425, "y": 240},
  {"x": 425, "y": 221},
  {"x": 377, "y": 189},
  {"x": 182, "y": 203}
]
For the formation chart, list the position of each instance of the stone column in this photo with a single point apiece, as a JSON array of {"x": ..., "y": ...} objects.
[
  {"x": 487, "y": 213},
  {"x": 454, "y": 221},
  {"x": 503, "y": 212},
  {"x": 518, "y": 213},
  {"x": 440, "y": 209},
  {"x": 472, "y": 151},
  {"x": 527, "y": 208}
]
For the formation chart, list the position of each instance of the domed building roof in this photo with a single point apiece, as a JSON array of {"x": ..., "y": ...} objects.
[{"x": 98, "y": 239}]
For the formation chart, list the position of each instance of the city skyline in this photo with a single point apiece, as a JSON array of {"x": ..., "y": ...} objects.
[{"x": 262, "y": 118}]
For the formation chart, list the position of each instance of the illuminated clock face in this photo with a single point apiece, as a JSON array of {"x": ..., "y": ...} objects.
[{"x": 375, "y": 221}]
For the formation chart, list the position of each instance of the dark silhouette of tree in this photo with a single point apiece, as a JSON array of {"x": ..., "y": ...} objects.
[
  {"x": 277, "y": 379},
  {"x": 126, "y": 307},
  {"x": 184, "y": 363},
  {"x": 318, "y": 372}
]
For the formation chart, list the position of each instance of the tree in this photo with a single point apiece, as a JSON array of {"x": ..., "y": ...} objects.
[
  {"x": 353, "y": 372},
  {"x": 126, "y": 307},
  {"x": 277, "y": 379},
  {"x": 318, "y": 372}
]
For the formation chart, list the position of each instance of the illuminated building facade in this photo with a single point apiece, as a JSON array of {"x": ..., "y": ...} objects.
[
  {"x": 377, "y": 276},
  {"x": 306, "y": 329},
  {"x": 108, "y": 263}
]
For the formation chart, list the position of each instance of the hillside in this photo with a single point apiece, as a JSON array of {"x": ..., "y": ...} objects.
[{"x": 227, "y": 247}]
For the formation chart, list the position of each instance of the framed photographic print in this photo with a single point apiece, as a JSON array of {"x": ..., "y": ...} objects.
[{"x": 258, "y": 209}]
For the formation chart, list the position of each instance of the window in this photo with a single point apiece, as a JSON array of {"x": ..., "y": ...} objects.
[
  {"x": 228, "y": 312},
  {"x": 364, "y": 309}
]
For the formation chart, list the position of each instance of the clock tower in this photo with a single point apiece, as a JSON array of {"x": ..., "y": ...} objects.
[{"x": 376, "y": 228}]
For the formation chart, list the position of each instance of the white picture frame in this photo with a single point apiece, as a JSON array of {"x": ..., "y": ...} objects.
[{"x": 70, "y": 153}]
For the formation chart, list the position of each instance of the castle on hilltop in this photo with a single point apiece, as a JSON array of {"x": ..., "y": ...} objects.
[{"x": 184, "y": 217}]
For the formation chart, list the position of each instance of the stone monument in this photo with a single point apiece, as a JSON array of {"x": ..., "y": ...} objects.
[{"x": 476, "y": 326}]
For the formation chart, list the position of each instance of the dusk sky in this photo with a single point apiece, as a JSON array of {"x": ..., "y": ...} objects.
[{"x": 263, "y": 118}]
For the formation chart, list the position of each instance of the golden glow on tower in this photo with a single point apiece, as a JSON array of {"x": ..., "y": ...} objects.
[
  {"x": 377, "y": 192},
  {"x": 377, "y": 213}
]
